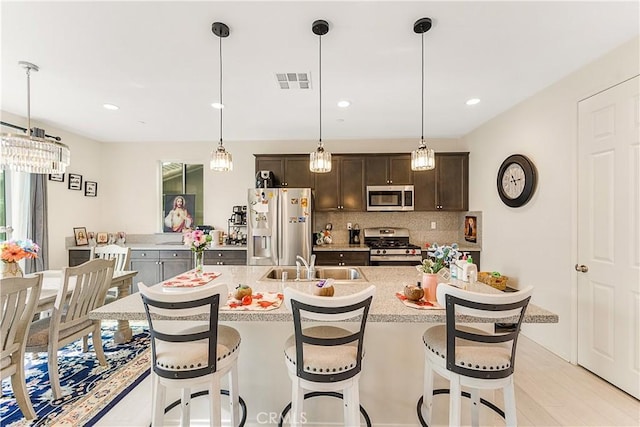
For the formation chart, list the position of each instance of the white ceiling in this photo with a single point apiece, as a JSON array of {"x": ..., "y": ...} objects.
[{"x": 158, "y": 61}]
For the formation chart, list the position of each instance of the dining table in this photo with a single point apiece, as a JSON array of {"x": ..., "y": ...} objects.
[{"x": 121, "y": 280}]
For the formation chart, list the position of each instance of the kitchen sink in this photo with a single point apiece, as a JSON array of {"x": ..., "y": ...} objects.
[{"x": 339, "y": 274}]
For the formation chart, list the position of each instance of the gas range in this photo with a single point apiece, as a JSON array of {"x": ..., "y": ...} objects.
[{"x": 390, "y": 246}]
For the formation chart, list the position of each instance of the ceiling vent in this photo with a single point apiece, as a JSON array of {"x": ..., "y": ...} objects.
[{"x": 293, "y": 80}]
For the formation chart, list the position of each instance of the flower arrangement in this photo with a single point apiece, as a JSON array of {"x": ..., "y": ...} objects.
[
  {"x": 15, "y": 250},
  {"x": 197, "y": 240},
  {"x": 439, "y": 257}
]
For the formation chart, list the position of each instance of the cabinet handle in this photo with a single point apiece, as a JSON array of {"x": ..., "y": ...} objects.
[
  {"x": 219, "y": 253},
  {"x": 341, "y": 255},
  {"x": 175, "y": 254},
  {"x": 143, "y": 254}
]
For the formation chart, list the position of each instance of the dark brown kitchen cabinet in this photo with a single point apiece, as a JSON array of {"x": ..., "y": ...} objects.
[
  {"x": 154, "y": 266},
  {"x": 342, "y": 189},
  {"x": 225, "y": 257},
  {"x": 445, "y": 188},
  {"x": 334, "y": 258},
  {"x": 289, "y": 170},
  {"x": 389, "y": 169}
]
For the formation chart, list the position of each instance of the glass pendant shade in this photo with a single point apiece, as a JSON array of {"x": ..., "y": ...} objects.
[
  {"x": 221, "y": 160},
  {"x": 32, "y": 153},
  {"x": 320, "y": 160},
  {"x": 423, "y": 159},
  {"x": 22, "y": 153}
]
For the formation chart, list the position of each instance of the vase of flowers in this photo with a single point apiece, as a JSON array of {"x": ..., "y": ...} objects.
[
  {"x": 439, "y": 258},
  {"x": 13, "y": 251},
  {"x": 198, "y": 241}
]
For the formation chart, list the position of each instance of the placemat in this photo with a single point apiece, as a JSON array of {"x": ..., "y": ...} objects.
[
  {"x": 261, "y": 301},
  {"x": 421, "y": 304},
  {"x": 190, "y": 280}
]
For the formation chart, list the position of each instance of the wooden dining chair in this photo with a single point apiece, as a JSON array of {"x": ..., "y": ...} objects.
[
  {"x": 18, "y": 300},
  {"x": 121, "y": 254},
  {"x": 69, "y": 318}
]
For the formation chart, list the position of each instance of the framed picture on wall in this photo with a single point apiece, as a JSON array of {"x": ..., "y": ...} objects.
[
  {"x": 59, "y": 177},
  {"x": 90, "y": 188},
  {"x": 471, "y": 229},
  {"x": 80, "y": 234},
  {"x": 178, "y": 212},
  {"x": 75, "y": 181}
]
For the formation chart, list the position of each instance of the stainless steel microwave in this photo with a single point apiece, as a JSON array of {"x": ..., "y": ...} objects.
[{"x": 390, "y": 198}]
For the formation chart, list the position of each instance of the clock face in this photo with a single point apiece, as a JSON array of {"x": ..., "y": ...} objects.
[
  {"x": 516, "y": 180},
  {"x": 513, "y": 181}
]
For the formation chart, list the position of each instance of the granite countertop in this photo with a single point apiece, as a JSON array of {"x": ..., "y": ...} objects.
[
  {"x": 166, "y": 247},
  {"x": 386, "y": 307}
]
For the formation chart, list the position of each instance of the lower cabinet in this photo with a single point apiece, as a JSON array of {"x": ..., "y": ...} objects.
[
  {"x": 334, "y": 258},
  {"x": 78, "y": 256},
  {"x": 225, "y": 257},
  {"x": 157, "y": 266}
]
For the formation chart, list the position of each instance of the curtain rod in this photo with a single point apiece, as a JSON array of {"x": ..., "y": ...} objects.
[{"x": 57, "y": 138}]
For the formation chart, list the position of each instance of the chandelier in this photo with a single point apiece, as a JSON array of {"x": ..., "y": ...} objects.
[
  {"x": 220, "y": 158},
  {"x": 32, "y": 153},
  {"x": 320, "y": 160},
  {"x": 423, "y": 158}
]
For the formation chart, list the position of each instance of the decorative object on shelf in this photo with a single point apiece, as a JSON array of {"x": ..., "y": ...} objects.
[
  {"x": 90, "y": 188},
  {"x": 198, "y": 241},
  {"x": 75, "y": 182},
  {"x": 471, "y": 228},
  {"x": 102, "y": 238},
  {"x": 320, "y": 160},
  {"x": 92, "y": 238},
  {"x": 221, "y": 160},
  {"x": 423, "y": 158},
  {"x": 517, "y": 179},
  {"x": 80, "y": 234},
  {"x": 59, "y": 177},
  {"x": 12, "y": 251},
  {"x": 34, "y": 152},
  {"x": 121, "y": 238}
]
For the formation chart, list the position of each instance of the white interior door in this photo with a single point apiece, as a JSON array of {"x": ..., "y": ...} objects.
[{"x": 609, "y": 235}]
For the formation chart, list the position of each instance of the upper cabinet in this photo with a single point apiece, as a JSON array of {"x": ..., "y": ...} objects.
[
  {"x": 289, "y": 170},
  {"x": 388, "y": 169},
  {"x": 446, "y": 188},
  {"x": 342, "y": 189}
]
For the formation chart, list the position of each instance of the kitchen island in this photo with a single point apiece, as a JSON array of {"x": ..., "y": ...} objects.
[{"x": 393, "y": 345}]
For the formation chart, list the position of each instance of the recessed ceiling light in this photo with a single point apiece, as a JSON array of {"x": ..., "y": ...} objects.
[
  {"x": 111, "y": 107},
  {"x": 217, "y": 106},
  {"x": 473, "y": 101},
  {"x": 344, "y": 103}
]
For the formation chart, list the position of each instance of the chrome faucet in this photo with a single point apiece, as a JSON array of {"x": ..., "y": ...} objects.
[{"x": 311, "y": 267}]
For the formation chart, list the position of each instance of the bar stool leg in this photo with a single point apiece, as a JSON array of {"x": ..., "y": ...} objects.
[
  {"x": 185, "y": 407},
  {"x": 215, "y": 410},
  {"x": 454, "y": 401},
  {"x": 159, "y": 396},
  {"x": 351, "y": 401},
  {"x": 475, "y": 407},
  {"x": 427, "y": 396},
  {"x": 234, "y": 396},
  {"x": 510, "y": 404},
  {"x": 297, "y": 394}
]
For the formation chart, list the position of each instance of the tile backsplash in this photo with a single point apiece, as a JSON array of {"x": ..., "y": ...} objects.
[{"x": 449, "y": 225}]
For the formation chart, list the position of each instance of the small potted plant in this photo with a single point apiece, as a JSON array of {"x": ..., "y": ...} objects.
[{"x": 439, "y": 258}]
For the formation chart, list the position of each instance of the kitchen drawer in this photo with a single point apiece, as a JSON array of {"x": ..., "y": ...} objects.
[
  {"x": 136, "y": 254},
  {"x": 342, "y": 258},
  {"x": 222, "y": 257},
  {"x": 176, "y": 254}
]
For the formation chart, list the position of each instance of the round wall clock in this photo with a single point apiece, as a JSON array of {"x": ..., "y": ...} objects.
[{"x": 516, "y": 180}]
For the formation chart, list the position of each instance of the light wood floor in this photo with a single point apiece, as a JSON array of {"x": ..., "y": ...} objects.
[{"x": 549, "y": 392}]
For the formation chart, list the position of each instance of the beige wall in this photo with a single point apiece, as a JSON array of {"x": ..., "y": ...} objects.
[{"x": 537, "y": 243}]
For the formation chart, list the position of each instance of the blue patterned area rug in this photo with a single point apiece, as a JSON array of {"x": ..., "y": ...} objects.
[{"x": 89, "y": 390}]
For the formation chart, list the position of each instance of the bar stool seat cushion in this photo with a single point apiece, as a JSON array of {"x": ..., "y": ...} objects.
[
  {"x": 470, "y": 355},
  {"x": 317, "y": 359},
  {"x": 194, "y": 355}
]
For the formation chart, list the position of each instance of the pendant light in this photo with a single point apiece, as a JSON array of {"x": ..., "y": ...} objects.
[
  {"x": 320, "y": 160},
  {"x": 423, "y": 158},
  {"x": 32, "y": 153},
  {"x": 220, "y": 158}
]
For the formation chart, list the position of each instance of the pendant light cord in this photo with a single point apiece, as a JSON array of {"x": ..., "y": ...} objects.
[
  {"x": 320, "y": 82},
  {"x": 422, "y": 133},
  {"x": 29, "y": 101},
  {"x": 221, "y": 103}
]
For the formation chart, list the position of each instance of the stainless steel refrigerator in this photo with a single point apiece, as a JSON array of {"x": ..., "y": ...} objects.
[{"x": 279, "y": 225}]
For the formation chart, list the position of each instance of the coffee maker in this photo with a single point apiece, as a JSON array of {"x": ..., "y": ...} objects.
[{"x": 354, "y": 235}]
